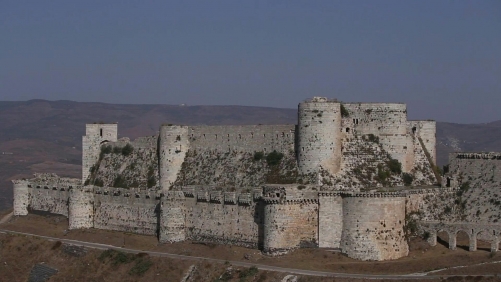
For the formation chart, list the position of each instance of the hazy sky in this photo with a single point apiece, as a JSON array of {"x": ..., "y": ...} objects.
[{"x": 442, "y": 58}]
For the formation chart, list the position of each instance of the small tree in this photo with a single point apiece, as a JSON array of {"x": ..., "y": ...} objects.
[
  {"x": 274, "y": 158},
  {"x": 127, "y": 150},
  {"x": 258, "y": 156},
  {"x": 407, "y": 178},
  {"x": 395, "y": 166},
  {"x": 344, "y": 111}
]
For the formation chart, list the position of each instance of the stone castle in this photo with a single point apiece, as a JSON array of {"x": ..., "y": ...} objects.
[{"x": 340, "y": 178}]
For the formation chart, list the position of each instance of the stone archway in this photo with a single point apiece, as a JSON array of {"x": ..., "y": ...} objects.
[
  {"x": 442, "y": 237},
  {"x": 464, "y": 241},
  {"x": 484, "y": 238}
]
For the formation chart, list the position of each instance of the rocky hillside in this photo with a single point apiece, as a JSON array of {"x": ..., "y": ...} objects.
[{"x": 46, "y": 136}]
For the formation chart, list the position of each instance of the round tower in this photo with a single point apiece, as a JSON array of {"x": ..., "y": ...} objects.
[
  {"x": 173, "y": 145},
  {"x": 21, "y": 197},
  {"x": 373, "y": 227},
  {"x": 172, "y": 218},
  {"x": 319, "y": 135},
  {"x": 81, "y": 207}
]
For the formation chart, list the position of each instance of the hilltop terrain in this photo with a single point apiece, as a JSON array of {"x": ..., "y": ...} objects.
[{"x": 46, "y": 136}]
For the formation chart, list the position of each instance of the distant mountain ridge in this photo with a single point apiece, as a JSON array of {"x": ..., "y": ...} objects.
[{"x": 46, "y": 136}]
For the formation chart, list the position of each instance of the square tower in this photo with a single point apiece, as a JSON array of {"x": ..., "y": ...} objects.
[{"x": 95, "y": 136}]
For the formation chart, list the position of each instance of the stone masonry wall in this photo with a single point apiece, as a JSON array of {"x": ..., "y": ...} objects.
[
  {"x": 478, "y": 177},
  {"x": 319, "y": 136},
  {"x": 242, "y": 138},
  {"x": 426, "y": 129},
  {"x": 21, "y": 197},
  {"x": 126, "y": 210},
  {"x": 173, "y": 145},
  {"x": 229, "y": 217},
  {"x": 290, "y": 218},
  {"x": 81, "y": 208},
  {"x": 173, "y": 217},
  {"x": 49, "y": 199},
  {"x": 95, "y": 136},
  {"x": 373, "y": 227},
  {"x": 388, "y": 121},
  {"x": 330, "y": 220}
]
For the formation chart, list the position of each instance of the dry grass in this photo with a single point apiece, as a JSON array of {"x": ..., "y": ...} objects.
[{"x": 422, "y": 257}]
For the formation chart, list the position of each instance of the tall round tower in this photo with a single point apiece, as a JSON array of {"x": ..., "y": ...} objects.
[
  {"x": 173, "y": 145},
  {"x": 319, "y": 135},
  {"x": 81, "y": 207}
]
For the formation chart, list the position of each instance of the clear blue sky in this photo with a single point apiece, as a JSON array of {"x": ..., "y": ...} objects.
[{"x": 442, "y": 58}]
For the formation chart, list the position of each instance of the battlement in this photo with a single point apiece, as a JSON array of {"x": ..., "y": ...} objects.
[{"x": 473, "y": 156}]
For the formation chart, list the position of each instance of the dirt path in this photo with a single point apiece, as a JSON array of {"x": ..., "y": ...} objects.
[{"x": 6, "y": 218}]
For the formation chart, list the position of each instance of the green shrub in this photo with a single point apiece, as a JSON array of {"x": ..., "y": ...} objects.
[
  {"x": 426, "y": 235},
  {"x": 117, "y": 150},
  {"x": 407, "y": 178},
  {"x": 344, "y": 111},
  {"x": 258, "y": 156},
  {"x": 382, "y": 174},
  {"x": 445, "y": 169},
  {"x": 249, "y": 272},
  {"x": 447, "y": 210},
  {"x": 274, "y": 158},
  {"x": 463, "y": 188},
  {"x": 373, "y": 138},
  {"x": 395, "y": 166},
  {"x": 106, "y": 149},
  {"x": 122, "y": 258},
  {"x": 119, "y": 182},
  {"x": 98, "y": 182},
  {"x": 106, "y": 255},
  {"x": 151, "y": 181},
  {"x": 141, "y": 266},
  {"x": 127, "y": 150}
]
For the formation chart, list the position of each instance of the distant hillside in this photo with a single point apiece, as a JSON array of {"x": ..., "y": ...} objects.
[{"x": 46, "y": 136}]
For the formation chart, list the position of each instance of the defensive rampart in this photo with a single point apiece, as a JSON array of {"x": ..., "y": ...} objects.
[{"x": 126, "y": 210}]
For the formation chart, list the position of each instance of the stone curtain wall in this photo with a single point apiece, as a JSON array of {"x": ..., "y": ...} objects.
[
  {"x": 290, "y": 219},
  {"x": 478, "y": 176},
  {"x": 330, "y": 220},
  {"x": 81, "y": 207},
  {"x": 125, "y": 210},
  {"x": 49, "y": 200},
  {"x": 242, "y": 138},
  {"x": 373, "y": 227},
  {"x": 226, "y": 218}
]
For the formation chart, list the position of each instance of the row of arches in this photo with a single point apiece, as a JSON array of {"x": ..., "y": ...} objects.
[{"x": 466, "y": 236}]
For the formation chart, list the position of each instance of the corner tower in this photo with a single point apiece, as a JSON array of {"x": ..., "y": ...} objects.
[
  {"x": 319, "y": 135},
  {"x": 95, "y": 136}
]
